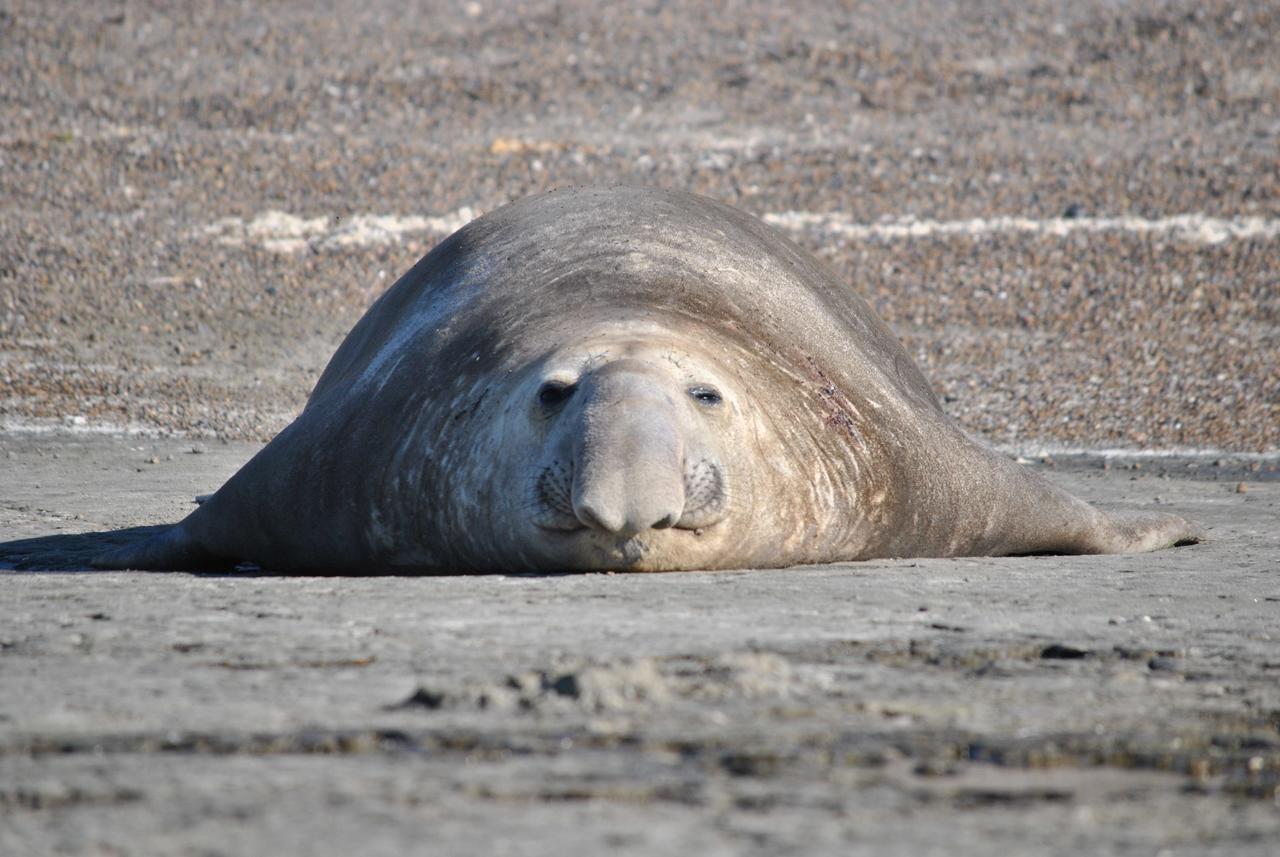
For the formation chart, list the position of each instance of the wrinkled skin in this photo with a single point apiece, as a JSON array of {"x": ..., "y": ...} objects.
[{"x": 625, "y": 378}]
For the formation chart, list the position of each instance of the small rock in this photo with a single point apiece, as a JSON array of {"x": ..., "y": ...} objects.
[
  {"x": 1061, "y": 652},
  {"x": 1241, "y": 488},
  {"x": 421, "y": 698},
  {"x": 937, "y": 767},
  {"x": 1161, "y": 663}
]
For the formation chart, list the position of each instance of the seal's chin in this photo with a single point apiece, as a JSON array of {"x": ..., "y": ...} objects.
[
  {"x": 585, "y": 549},
  {"x": 631, "y": 550}
]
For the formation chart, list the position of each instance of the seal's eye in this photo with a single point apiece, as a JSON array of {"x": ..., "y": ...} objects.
[
  {"x": 553, "y": 393},
  {"x": 705, "y": 395}
]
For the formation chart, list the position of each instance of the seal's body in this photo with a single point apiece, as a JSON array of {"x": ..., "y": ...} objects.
[{"x": 626, "y": 378}]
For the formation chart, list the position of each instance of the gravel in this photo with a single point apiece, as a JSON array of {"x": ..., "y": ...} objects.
[{"x": 128, "y": 130}]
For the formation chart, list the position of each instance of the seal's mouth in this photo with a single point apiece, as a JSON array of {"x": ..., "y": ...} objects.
[
  {"x": 588, "y": 548},
  {"x": 573, "y": 528},
  {"x": 565, "y": 527}
]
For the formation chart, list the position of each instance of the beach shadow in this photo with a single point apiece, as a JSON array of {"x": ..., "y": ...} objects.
[
  {"x": 73, "y": 553},
  {"x": 68, "y": 552}
]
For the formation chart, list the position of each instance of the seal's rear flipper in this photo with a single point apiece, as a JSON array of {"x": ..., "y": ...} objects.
[
  {"x": 170, "y": 550},
  {"x": 1013, "y": 511},
  {"x": 1138, "y": 532}
]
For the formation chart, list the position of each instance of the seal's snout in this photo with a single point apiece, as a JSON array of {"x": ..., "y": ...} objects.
[
  {"x": 633, "y": 450},
  {"x": 629, "y": 476}
]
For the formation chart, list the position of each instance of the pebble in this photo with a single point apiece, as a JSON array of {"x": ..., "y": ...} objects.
[{"x": 1165, "y": 664}]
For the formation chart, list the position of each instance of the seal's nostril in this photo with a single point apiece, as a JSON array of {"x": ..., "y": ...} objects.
[{"x": 593, "y": 518}]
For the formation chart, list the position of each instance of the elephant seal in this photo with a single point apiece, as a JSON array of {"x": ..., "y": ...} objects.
[{"x": 625, "y": 378}]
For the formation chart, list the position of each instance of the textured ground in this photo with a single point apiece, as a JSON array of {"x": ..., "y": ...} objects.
[
  {"x": 1035, "y": 706},
  {"x": 1070, "y": 212}
]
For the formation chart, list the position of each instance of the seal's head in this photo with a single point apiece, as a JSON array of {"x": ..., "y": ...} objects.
[{"x": 626, "y": 439}]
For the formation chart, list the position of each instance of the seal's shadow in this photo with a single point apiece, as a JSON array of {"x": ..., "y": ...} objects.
[
  {"x": 73, "y": 553},
  {"x": 68, "y": 552}
]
